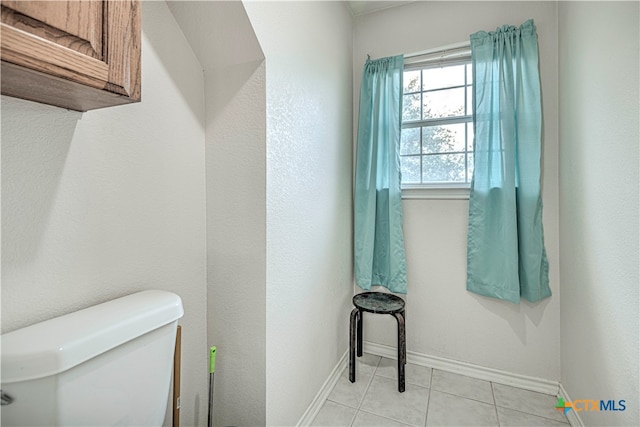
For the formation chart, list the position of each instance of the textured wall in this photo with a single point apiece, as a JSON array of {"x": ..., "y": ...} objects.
[
  {"x": 101, "y": 204},
  {"x": 307, "y": 46},
  {"x": 599, "y": 209},
  {"x": 236, "y": 230},
  {"x": 443, "y": 318},
  {"x": 224, "y": 43}
]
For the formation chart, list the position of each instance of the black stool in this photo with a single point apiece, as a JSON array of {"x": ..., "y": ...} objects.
[{"x": 381, "y": 303}]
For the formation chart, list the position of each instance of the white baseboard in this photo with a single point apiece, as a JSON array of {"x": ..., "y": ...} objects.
[
  {"x": 317, "y": 402},
  {"x": 463, "y": 368},
  {"x": 572, "y": 416}
]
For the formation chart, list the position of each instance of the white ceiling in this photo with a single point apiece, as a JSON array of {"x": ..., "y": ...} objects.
[{"x": 361, "y": 7}]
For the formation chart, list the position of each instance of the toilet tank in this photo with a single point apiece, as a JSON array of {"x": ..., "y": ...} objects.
[{"x": 110, "y": 364}]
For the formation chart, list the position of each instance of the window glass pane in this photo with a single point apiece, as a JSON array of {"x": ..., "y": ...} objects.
[
  {"x": 410, "y": 169},
  {"x": 411, "y": 81},
  {"x": 469, "y": 166},
  {"x": 443, "y": 168},
  {"x": 436, "y": 78},
  {"x": 439, "y": 139},
  {"x": 440, "y": 153},
  {"x": 469, "y": 110},
  {"x": 411, "y": 107},
  {"x": 443, "y": 103},
  {"x": 410, "y": 141}
]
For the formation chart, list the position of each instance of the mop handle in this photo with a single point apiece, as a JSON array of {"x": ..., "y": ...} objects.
[
  {"x": 212, "y": 368},
  {"x": 212, "y": 359}
]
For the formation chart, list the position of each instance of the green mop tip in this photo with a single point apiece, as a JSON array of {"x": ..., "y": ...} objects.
[{"x": 212, "y": 359}]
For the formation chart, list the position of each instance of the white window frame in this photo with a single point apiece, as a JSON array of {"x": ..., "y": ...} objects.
[{"x": 459, "y": 53}]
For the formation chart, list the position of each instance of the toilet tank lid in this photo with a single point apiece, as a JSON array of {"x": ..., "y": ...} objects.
[{"x": 55, "y": 345}]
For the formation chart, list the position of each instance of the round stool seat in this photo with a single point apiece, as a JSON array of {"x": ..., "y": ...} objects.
[{"x": 379, "y": 302}]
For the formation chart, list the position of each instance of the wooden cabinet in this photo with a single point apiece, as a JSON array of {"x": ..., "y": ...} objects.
[{"x": 76, "y": 54}]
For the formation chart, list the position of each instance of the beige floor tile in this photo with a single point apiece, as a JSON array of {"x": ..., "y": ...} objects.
[
  {"x": 541, "y": 405},
  {"x": 351, "y": 394},
  {"x": 365, "y": 419},
  {"x": 413, "y": 374},
  {"x": 382, "y": 398},
  {"x": 450, "y": 410},
  {"x": 334, "y": 414},
  {"x": 511, "y": 418},
  {"x": 460, "y": 385}
]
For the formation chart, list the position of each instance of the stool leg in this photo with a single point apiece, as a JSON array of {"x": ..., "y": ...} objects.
[
  {"x": 402, "y": 349},
  {"x": 360, "y": 322},
  {"x": 404, "y": 336},
  {"x": 352, "y": 345}
]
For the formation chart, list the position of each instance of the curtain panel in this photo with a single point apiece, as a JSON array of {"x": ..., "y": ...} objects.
[
  {"x": 379, "y": 255},
  {"x": 506, "y": 257}
]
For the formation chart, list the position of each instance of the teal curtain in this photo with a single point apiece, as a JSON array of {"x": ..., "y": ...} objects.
[
  {"x": 378, "y": 240},
  {"x": 506, "y": 258}
]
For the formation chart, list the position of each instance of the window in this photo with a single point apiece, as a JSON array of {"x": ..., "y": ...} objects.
[{"x": 436, "y": 146}]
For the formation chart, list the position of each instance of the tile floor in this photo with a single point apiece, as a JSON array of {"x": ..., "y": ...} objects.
[{"x": 431, "y": 398}]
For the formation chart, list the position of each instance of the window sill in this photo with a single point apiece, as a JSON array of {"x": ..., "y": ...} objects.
[{"x": 452, "y": 192}]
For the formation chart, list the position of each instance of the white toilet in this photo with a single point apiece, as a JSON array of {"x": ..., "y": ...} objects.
[{"x": 106, "y": 365}]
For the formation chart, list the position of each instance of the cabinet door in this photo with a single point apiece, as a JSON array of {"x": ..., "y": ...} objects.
[{"x": 63, "y": 48}]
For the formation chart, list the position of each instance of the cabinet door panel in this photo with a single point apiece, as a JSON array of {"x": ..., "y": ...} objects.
[{"x": 76, "y": 24}]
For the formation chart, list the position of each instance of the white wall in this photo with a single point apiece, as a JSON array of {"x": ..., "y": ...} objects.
[
  {"x": 225, "y": 44},
  {"x": 443, "y": 319},
  {"x": 236, "y": 213},
  {"x": 307, "y": 46},
  {"x": 600, "y": 140},
  {"x": 101, "y": 204}
]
